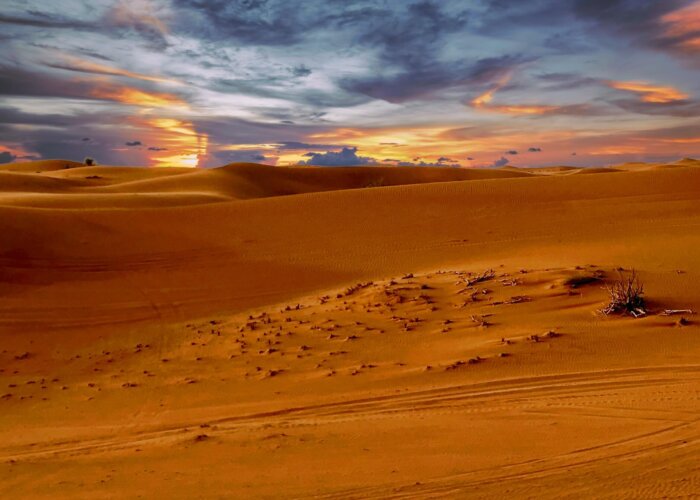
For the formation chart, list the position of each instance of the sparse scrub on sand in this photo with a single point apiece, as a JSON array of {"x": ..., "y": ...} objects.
[
  {"x": 480, "y": 278},
  {"x": 626, "y": 296},
  {"x": 379, "y": 182}
]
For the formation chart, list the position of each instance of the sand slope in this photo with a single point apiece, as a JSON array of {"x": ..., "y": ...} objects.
[
  {"x": 125, "y": 187},
  {"x": 332, "y": 342}
]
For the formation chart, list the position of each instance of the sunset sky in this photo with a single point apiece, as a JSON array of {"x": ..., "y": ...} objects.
[{"x": 340, "y": 82}]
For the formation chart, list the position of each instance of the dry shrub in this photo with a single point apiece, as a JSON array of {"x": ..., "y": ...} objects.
[{"x": 626, "y": 296}]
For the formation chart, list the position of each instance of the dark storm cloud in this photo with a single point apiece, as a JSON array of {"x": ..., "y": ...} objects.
[
  {"x": 7, "y": 157},
  {"x": 512, "y": 152},
  {"x": 534, "y": 150},
  {"x": 409, "y": 47},
  {"x": 133, "y": 143},
  {"x": 253, "y": 22},
  {"x": 627, "y": 15},
  {"x": 38, "y": 19},
  {"x": 10, "y": 115},
  {"x": 15, "y": 81},
  {"x": 639, "y": 20},
  {"x": 406, "y": 38},
  {"x": 344, "y": 157},
  {"x": 117, "y": 22},
  {"x": 429, "y": 77},
  {"x": 20, "y": 82}
]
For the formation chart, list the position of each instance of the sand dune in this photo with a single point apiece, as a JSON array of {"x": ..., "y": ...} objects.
[
  {"x": 178, "y": 186},
  {"x": 254, "y": 331}
]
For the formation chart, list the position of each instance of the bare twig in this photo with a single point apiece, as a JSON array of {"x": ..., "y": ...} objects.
[
  {"x": 626, "y": 296},
  {"x": 671, "y": 312}
]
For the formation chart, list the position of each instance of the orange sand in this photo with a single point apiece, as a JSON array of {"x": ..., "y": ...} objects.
[{"x": 253, "y": 331}]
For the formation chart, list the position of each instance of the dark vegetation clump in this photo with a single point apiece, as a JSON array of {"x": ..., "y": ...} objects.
[
  {"x": 89, "y": 162},
  {"x": 626, "y": 296}
]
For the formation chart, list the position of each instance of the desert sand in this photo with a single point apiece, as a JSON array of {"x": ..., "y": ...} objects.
[{"x": 273, "y": 332}]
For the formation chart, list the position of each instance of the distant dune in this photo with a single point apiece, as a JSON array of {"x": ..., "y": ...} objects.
[
  {"x": 63, "y": 184},
  {"x": 359, "y": 332}
]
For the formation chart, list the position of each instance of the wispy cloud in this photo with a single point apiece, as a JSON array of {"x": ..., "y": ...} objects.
[
  {"x": 137, "y": 97},
  {"x": 651, "y": 93}
]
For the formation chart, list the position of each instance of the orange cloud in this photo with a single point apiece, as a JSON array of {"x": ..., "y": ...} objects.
[
  {"x": 684, "y": 26},
  {"x": 484, "y": 100},
  {"x": 129, "y": 95},
  {"x": 523, "y": 109},
  {"x": 686, "y": 140},
  {"x": 649, "y": 92},
  {"x": 183, "y": 146},
  {"x": 77, "y": 64}
]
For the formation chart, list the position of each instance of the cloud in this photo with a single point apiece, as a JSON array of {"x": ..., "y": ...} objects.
[
  {"x": 133, "y": 143},
  {"x": 651, "y": 93},
  {"x": 135, "y": 16},
  {"x": 15, "y": 81},
  {"x": 429, "y": 77},
  {"x": 155, "y": 148},
  {"x": 484, "y": 101},
  {"x": 300, "y": 71},
  {"x": 502, "y": 162},
  {"x": 7, "y": 157},
  {"x": 137, "y": 97},
  {"x": 247, "y": 156},
  {"x": 295, "y": 145},
  {"x": 78, "y": 65},
  {"x": 655, "y": 99},
  {"x": 141, "y": 17},
  {"x": 345, "y": 157},
  {"x": 44, "y": 20},
  {"x": 567, "y": 81},
  {"x": 670, "y": 25},
  {"x": 427, "y": 164},
  {"x": 534, "y": 150},
  {"x": 512, "y": 152}
]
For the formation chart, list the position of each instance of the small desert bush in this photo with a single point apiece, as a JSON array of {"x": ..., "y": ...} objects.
[
  {"x": 626, "y": 296},
  {"x": 89, "y": 162},
  {"x": 379, "y": 182}
]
